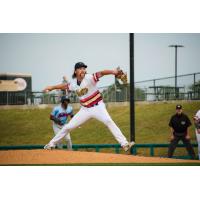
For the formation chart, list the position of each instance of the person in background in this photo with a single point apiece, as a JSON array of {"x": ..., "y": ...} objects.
[
  {"x": 197, "y": 129},
  {"x": 179, "y": 124},
  {"x": 65, "y": 81},
  {"x": 59, "y": 116}
]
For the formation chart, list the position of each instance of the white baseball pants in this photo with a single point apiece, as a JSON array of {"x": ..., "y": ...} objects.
[
  {"x": 67, "y": 138},
  {"x": 198, "y": 141},
  {"x": 98, "y": 112}
]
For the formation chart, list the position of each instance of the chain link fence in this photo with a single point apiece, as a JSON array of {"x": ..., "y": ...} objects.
[{"x": 161, "y": 89}]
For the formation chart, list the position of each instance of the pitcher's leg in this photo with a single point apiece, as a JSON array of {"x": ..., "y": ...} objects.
[
  {"x": 81, "y": 117},
  {"x": 102, "y": 115}
]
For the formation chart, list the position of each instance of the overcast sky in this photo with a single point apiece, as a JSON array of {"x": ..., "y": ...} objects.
[{"x": 47, "y": 57}]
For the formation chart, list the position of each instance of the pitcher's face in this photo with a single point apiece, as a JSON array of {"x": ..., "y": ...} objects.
[{"x": 80, "y": 72}]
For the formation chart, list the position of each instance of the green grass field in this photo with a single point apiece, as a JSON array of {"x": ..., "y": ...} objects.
[{"x": 24, "y": 127}]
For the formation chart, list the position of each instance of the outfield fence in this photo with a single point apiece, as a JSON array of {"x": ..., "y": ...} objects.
[
  {"x": 160, "y": 89},
  {"x": 99, "y": 147},
  {"x": 188, "y": 88}
]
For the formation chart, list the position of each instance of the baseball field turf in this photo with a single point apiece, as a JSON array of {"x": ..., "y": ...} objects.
[{"x": 32, "y": 126}]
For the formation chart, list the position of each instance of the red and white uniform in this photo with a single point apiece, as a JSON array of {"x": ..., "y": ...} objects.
[
  {"x": 92, "y": 95},
  {"x": 197, "y": 116},
  {"x": 92, "y": 106}
]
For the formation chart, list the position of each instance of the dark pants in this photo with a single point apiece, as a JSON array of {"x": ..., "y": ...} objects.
[{"x": 186, "y": 142}]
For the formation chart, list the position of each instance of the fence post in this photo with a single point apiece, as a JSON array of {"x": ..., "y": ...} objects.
[
  {"x": 25, "y": 98},
  {"x": 7, "y": 98},
  {"x": 154, "y": 86},
  {"x": 115, "y": 93},
  {"x": 117, "y": 150},
  {"x": 134, "y": 150},
  {"x": 42, "y": 98},
  {"x": 194, "y": 86},
  {"x": 194, "y": 78},
  {"x": 97, "y": 149},
  {"x": 151, "y": 150}
]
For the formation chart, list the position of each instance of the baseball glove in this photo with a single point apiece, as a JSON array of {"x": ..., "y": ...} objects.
[
  {"x": 121, "y": 76},
  {"x": 57, "y": 121}
]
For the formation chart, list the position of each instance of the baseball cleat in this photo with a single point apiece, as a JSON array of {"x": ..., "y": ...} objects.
[
  {"x": 48, "y": 147},
  {"x": 128, "y": 146}
]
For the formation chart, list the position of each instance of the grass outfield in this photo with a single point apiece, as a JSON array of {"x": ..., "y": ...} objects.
[{"x": 24, "y": 127}]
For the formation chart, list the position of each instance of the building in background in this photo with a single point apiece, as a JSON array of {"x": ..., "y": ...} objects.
[{"x": 21, "y": 97}]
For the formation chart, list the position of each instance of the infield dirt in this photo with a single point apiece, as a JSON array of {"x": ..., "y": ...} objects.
[{"x": 45, "y": 157}]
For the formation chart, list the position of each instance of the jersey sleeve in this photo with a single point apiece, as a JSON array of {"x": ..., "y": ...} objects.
[
  {"x": 54, "y": 112},
  {"x": 96, "y": 77},
  {"x": 93, "y": 78}
]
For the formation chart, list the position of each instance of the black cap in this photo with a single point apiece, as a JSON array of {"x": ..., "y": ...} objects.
[
  {"x": 79, "y": 65},
  {"x": 178, "y": 106},
  {"x": 64, "y": 98}
]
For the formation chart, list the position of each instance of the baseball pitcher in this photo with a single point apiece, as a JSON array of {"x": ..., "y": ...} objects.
[{"x": 92, "y": 105}]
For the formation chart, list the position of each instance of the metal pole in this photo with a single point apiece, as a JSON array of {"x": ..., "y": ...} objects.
[
  {"x": 176, "y": 95},
  {"x": 132, "y": 87},
  {"x": 194, "y": 87},
  {"x": 115, "y": 93},
  {"x": 25, "y": 98},
  {"x": 154, "y": 85},
  {"x": 126, "y": 94},
  {"x": 7, "y": 98},
  {"x": 176, "y": 85}
]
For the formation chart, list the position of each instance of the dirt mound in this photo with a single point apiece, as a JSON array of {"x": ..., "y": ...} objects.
[{"x": 31, "y": 157}]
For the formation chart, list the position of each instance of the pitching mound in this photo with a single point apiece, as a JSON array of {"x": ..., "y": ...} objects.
[{"x": 32, "y": 157}]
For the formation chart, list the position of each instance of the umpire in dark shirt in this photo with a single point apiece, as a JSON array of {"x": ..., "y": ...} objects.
[{"x": 179, "y": 124}]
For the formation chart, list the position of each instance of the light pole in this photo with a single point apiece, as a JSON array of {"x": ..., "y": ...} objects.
[
  {"x": 132, "y": 88},
  {"x": 176, "y": 46}
]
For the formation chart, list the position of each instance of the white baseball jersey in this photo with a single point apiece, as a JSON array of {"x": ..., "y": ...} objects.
[
  {"x": 198, "y": 114},
  {"x": 197, "y": 134},
  {"x": 87, "y": 91}
]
